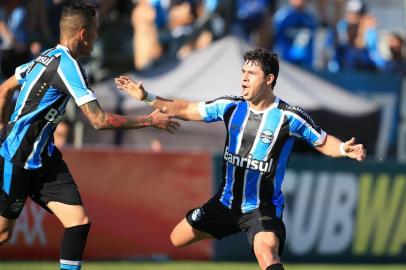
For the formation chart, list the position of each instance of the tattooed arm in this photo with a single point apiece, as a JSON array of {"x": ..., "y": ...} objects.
[{"x": 103, "y": 120}]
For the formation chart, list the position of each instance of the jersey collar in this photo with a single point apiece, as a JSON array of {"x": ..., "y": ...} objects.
[{"x": 273, "y": 105}]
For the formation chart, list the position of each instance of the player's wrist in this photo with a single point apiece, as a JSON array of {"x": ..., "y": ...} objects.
[
  {"x": 149, "y": 98},
  {"x": 342, "y": 150}
]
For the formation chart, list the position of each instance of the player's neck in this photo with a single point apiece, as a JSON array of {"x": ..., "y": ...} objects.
[
  {"x": 72, "y": 46},
  {"x": 263, "y": 103}
]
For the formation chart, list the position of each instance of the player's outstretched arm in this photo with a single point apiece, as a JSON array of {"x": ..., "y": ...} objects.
[
  {"x": 6, "y": 93},
  {"x": 335, "y": 148},
  {"x": 102, "y": 120},
  {"x": 182, "y": 109}
]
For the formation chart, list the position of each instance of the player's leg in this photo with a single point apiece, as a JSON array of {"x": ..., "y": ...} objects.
[
  {"x": 266, "y": 247},
  {"x": 14, "y": 188},
  {"x": 6, "y": 229},
  {"x": 266, "y": 234},
  {"x": 184, "y": 234},
  {"x": 211, "y": 221},
  {"x": 57, "y": 191},
  {"x": 77, "y": 225}
]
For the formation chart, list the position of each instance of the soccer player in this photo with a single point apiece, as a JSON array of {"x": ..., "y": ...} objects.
[
  {"x": 30, "y": 165},
  {"x": 261, "y": 130}
]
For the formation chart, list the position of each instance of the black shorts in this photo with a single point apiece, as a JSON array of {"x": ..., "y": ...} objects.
[
  {"x": 51, "y": 182},
  {"x": 219, "y": 221}
]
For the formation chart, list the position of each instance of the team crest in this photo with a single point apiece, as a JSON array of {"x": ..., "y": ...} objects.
[{"x": 266, "y": 136}]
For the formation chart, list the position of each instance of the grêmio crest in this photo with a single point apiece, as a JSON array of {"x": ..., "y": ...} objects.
[{"x": 266, "y": 136}]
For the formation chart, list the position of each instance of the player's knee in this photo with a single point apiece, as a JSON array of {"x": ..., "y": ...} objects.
[
  {"x": 175, "y": 239},
  {"x": 5, "y": 235},
  {"x": 79, "y": 221},
  {"x": 268, "y": 250},
  {"x": 84, "y": 220}
]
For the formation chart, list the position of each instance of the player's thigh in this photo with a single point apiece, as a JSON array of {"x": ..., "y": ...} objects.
[
  {"x": 59, "y": 193},
  {"x": 184, "y": 234},
  {"x": 264, "y": 229},
  {"x": 15, "y": 186},
  {"x": 69, "y": 215},
  {"x": 6, "y": 228}
]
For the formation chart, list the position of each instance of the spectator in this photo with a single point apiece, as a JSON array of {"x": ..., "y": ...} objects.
[
  {"x": 330, "y": 11},
  {"x": 397, "y": 61},
  {"x": 13, "y": 36},
  {"x": 355, "y": 40},
  {"x": 38, "y": 24},
  {"x": 254, "y": 21},
  {"x": 295, "y": 29},
  {"x": 161, "y": 27}
]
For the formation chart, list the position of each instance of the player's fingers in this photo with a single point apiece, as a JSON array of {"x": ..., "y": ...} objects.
[
  {"x": 175, "y": 123},
  {"x": 174, "y": 116},
  {"x": 170, "y": 130},
  {"x": 118, "y": 81},
  {"x": 122, "y": 79},
  {"x": 351, "y": 141},
  {"x": 175, "y": 128}
]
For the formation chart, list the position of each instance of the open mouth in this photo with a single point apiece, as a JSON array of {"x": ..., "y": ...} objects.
[{"x": 244, "y": 90}]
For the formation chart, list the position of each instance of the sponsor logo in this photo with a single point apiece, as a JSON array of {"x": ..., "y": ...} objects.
[
  {"x": 247, "y": 162},
  {"x": 266, "y": 136},
  {"x": 304, "y": 115},
  {"x": 197, "y": 214},
  {"x": 45, "y": 60}
]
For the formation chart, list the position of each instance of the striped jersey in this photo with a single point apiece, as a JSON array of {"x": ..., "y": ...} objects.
[
  {"x": 257, "y": 149},
  {"x": 47, "y": 84}
]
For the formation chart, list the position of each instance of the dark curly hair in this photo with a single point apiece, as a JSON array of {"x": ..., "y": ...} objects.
[{"x": 267, "y": 60}]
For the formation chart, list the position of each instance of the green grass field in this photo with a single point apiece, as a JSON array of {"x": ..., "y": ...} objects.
[{"x": 188, "y": 266}]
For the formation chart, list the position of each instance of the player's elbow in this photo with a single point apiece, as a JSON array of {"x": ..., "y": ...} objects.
[{"x": 97, "y": 125}]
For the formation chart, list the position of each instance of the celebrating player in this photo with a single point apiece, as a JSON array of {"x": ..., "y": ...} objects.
[
  {"x": 261, "y": 130},
  {"x": 30, "y": 165}
]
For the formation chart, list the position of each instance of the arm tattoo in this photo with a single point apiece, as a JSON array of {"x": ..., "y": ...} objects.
[
  {"x": 92, "y": 107},
  {"x": 115, "y": 121},
  {"x": 102, "y": 120}
]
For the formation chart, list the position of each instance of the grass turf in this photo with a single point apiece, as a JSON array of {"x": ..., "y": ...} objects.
[{"x": 187, "y": 265}]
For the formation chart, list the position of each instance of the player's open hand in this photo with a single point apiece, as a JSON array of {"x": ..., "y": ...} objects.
[
  {"x": 355, "y": 151},
  {"x": 128, "y": 85},
  {"x": 164, "y": 121}
]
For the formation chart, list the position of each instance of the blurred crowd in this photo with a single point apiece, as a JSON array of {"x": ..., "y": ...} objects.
[{"x": 327, "y": 34}]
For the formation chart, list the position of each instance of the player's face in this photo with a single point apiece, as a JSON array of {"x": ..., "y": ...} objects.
[{"x": 253, "y": 81}]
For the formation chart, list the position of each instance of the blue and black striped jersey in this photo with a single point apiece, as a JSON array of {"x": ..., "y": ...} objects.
[
  {"x": 257, "y": 149},
  {"x": 47, "y": 83}
]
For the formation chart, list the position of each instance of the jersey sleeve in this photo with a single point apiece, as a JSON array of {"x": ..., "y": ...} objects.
[
  {"x": 21, "y": 72},
  {"x": 74, "y": 81},
  {"x": 214, "y": 110},
  {"x": 301, "y": 125}
]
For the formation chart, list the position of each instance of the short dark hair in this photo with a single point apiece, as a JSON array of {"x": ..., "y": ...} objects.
[
  {"x": 267, "y": 60},
  {"x": 76, "y": 15}
]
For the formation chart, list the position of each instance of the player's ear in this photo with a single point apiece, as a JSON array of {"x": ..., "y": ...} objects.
[
  {"x": 82, "y": 34},
  {"x": 269, "y": 79}
]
